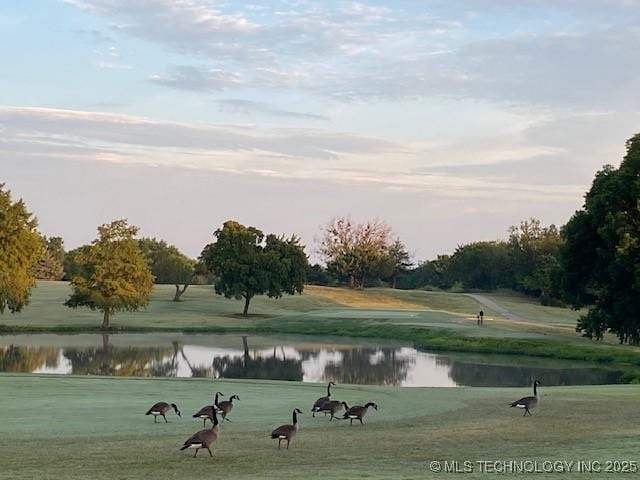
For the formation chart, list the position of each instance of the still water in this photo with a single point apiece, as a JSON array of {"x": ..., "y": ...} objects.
[{"x": 307, "y": 359}]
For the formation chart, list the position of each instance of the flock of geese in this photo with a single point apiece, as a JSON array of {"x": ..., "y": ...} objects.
[{"x": 204, "y": 439}]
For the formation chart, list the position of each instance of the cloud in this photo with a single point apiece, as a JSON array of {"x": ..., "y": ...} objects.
[
  {"x": 192, "y": 78},
  {"x": 123, "y": 130},
  {"x": 287, "y": 153},
  {"x": 237, "y": 105},
  {"x": 361, "y": 51}
]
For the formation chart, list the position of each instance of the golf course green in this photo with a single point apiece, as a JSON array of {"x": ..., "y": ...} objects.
[{"x": 94, "y": 427}]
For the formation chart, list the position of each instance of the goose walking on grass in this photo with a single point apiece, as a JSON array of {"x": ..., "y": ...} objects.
[
  {"x": 319, "y": 402},
  {"x": 204, "y": 438},
  {"x": 332, "y": 407},
  {"x": 287, "y": 432},
  {"x": 528, "y": 403},
  {"x": 226, "y": 406},
  {"x": 357, "y": 412},
  {"x": 205, "y": 412},
  {"x": 160, "y": 409}
]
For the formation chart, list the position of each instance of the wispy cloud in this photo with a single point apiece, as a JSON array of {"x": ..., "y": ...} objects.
[
  {"x": 237, "y": 105},
  {"x": 282, "y": 153}
]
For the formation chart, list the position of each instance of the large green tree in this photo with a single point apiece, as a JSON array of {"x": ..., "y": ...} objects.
[
  {"x": 168, "y": 265},
  {"x": 20, "y": 249},
  {"x": 600, "y": 258},
  {"x": 113, "y": 273},
  {"x": 535, "y": 252},
  {"x": 481, "y": 265},
  {"x": 246, "y": 263}
]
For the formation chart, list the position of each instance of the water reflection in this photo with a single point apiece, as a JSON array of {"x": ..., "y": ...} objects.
[{"x": 220, "y": 356}]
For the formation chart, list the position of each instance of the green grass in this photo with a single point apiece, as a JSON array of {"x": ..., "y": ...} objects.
[
  {"x": 525, "y": 307},
  {"x": 205, "y": 311},
  {"x": 93, "y": 427},
  {"x": 429, "y": 320}
]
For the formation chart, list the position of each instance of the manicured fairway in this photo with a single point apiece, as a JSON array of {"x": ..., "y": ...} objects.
[
  {"x": 202, "y": 309},
  {"x": 84, "y": 427}
]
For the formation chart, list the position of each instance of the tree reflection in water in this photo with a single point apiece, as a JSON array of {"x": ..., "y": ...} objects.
[
  {"x": 120, "y": 361},
  {"x": 270, "y": 368},
  {"x": 369, "y": 366},
  {"x": 17, "y": 359},
  {"x": 348, "y": 364}
]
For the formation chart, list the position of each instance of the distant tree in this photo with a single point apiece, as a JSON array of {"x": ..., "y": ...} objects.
[
  {"x": 71, "y": 263},
  {"x": 114, "y": 275},
  {"x": 318, "y": 275},
  {"x": 600, "y": 259},
  {"x": 398, "y": 260},
  {"x": 355, "y": 252},
  {"x": 535, "y": 252},
  {"x": 168, "y": 265},
  {"x": 247, "y": 264},
  {"x": 431, "y": 273},
  {"x": 20, "y": 249},
  {"x": 51, "y": 263},
  {"x": 481, "y": 265}
]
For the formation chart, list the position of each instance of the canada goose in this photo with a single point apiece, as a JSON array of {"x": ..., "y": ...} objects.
[
  {"x": 357, "y": 412},
  {"x": 225, "y": 407},
  {"x": 331, "y": 407},
  {"x": 205, "y": 412},
  {"x": 161, "y": 408},
  {"x": 204, "y": 438},
  {"x": 528, "y": 402},
  {"x": 287, "y": 432},
  {"x": 321, "y": 400}
]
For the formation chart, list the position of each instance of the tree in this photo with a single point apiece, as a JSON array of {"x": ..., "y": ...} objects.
[
  {"x": 51, "y": 263},
  {"x": 430, "y": 273},
  {"x": 600, "y": 258},
  {"x": 168, "y": 265},
  {"x": 355, "y": 252},
  {"x": 71, "y": 264},
  {"x": 399, "y": 260},
  {"x": 318, "y": 275},
  {"x": 247, "y": 264},
  {"x": 535, "y": 252},
  {"x": 481, "y": 265},
  {"x": 20, "y": 249},
  {"x": 114, "y": 275}
]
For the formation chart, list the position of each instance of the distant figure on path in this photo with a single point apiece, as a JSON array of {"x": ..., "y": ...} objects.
[{"x": 481, "y": 317}]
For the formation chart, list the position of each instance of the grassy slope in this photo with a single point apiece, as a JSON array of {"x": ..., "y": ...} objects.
[
  {"x": 77, "y": 428},
  {"x": 202, "y": 309}
]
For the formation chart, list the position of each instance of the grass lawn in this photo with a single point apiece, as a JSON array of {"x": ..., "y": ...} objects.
[
  {"x": 94, "y": 427},
  {"x": 202, "y": 309}
]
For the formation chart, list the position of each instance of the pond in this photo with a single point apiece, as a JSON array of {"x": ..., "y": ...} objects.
[{"x": 299, "y": 358}]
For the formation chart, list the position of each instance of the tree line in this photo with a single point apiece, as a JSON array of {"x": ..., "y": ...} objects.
[{"x": 593, "y": 261}]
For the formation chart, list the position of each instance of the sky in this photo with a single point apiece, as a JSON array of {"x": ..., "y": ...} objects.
[{"x": 449, "y": 119}]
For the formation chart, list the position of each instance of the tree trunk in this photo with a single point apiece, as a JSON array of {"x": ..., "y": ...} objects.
[
  {"x": 247, "y": 299},
  {"x": 179, "y": 292},
  {"x": 245, "y": 345},
  {"x": 105, "y": 319}
]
